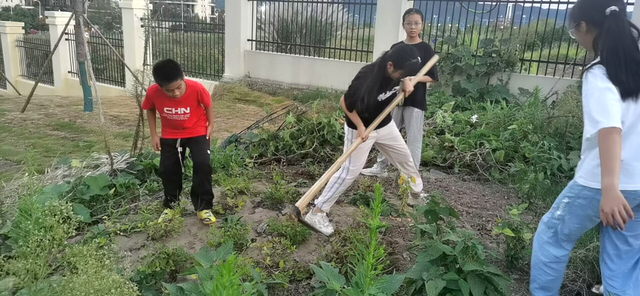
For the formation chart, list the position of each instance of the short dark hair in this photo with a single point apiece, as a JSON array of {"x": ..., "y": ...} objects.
[
  {"x": 411, "y": 11},
  {"x": 616, "y": 43},
  {"x": 166, "y": 72}
]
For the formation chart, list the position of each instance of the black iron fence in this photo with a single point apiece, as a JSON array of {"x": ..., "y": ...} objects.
[
  {"x": 334, "y": 29},
  {"x": 3, "y": 80},
  {"x": 196, "y": 43},
  {"x": 536, "y": 30},
  {"x": 33, "y": 52},
  {"x": 107, "y": 68}
]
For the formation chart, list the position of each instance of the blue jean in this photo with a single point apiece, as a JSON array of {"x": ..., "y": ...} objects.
[{"x": 574, "y": 212}]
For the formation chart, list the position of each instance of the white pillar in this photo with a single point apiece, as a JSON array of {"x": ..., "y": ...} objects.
[
  {"x": 237, "y": 30},
  {"x": 133, "y": 36},
  {"x": 389, "y": 24},
  {"x": 635, "y": 15},
  {"x": 9, "y": 32},
  {"x": 61, "y": 60}
]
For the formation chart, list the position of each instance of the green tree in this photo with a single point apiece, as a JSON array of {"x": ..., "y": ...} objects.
[{"x": 30, "y": 17}]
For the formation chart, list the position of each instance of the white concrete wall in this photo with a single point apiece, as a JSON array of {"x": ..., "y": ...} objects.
[{"x": 299, "y": 70}]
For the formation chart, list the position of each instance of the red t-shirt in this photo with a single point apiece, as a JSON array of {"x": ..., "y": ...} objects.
[{"x": 184, "y": 117}]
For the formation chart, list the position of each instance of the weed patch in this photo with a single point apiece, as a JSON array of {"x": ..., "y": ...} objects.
[{"x": 289, "y": 229}]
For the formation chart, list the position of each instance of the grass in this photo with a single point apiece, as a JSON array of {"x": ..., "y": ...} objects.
[{"x": 53, "y": 128}]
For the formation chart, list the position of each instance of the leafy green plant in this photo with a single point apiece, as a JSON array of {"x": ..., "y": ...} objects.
[
  {"x": 289, "y": 229},
  {"x": 157, "y": 230},
  {"x": 220, "y": 272},
  {"x": 234, "y": 231},
  {"x": 163, "y": 264},
  {"x": 276, "y": 259},
  {"x": 301, "y": 138},
  {"x": 279, "y": 193},
  {"x": 36, "y": 237},
  {"x": 367, "y": 268},
  {"x": 236, "y": 191},
  {"x": 450, "y": 261},
  {"x": 517, "y": 235},
  {"x": 92, "y": 270}
]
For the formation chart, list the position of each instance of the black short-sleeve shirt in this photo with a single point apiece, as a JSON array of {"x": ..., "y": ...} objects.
[
  {"x": 387, "y": 91},
  {"x": 418, "y": 98}
]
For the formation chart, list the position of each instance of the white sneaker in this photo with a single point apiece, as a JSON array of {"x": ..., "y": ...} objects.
[
  {"x": 418, "y": 199},
  {"x": 319, "y": 222},
  {"x": 376, "y": 171}
]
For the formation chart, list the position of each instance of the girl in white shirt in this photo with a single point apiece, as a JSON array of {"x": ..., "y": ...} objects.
[{"x": 606, "y": 187}]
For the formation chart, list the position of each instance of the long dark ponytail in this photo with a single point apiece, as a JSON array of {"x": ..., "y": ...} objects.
[
  {"x": 404, "y": 58},
  {"x": 616, "y": 43}
]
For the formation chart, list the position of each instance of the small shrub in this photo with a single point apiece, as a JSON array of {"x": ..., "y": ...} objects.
[
  {"x": 36, "y": 238},
  {"x": 234, "y": 231},
  {"x": 91, "y": 270},
  {"x": 450, "y": 261},
  {"x": 517, "y": 235},
  {"x": 367, "y": 266},
  {"x": 158, "y": 230},
  {"x": 220, "y": 272},
  {"x": 279, "y": 194},
  {"x": 276, "y": 259},
  {"x": 163, "y": 264},
  {"x": 236, "y": 191},
  {"x": 289, "y": 229}
]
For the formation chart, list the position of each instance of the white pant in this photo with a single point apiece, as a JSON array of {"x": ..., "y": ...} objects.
[
  {"x": 413, "y": 121},
  {"x": 390, "y": 143}
]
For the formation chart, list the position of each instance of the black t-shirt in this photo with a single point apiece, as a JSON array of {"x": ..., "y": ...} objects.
[
  {"x": 418, "y": 98},
  {"x": 387, "y": 91}
]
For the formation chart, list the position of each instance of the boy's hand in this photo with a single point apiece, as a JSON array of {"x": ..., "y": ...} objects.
[
  {"x": 155, "y": 143},
  {"x": 209, "y": 130}
]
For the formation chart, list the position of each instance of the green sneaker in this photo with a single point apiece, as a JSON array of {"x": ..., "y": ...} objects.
[{"x": 167, "y": 215}]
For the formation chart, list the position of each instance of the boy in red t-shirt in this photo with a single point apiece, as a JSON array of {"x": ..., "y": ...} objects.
[{"x": 186, "y": 116}]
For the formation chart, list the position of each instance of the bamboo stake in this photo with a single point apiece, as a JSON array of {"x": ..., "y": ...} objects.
[{"x": 7, "y": 80}]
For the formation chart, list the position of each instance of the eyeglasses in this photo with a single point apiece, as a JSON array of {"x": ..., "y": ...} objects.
[
  {"x": 571, "y": 31},
  {"x": 411, "y": 25}
]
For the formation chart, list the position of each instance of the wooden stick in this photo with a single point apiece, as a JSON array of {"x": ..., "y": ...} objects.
[
  {"x": 313, "y": 191},
  {"x": 7, "y": 80},
  {"x": 114, "y": 50},
  {"x": 44, "y": 67}
]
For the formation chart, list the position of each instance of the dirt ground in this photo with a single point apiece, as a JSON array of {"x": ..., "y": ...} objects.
[{"x": 478, "y": 204}]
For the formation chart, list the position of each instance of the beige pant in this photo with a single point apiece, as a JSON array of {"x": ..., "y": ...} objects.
[
  {"x": 389, "y": 142},
  {"x": 413, "y": 121}
]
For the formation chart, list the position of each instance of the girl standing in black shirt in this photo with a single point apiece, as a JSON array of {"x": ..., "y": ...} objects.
[
  {"x": 411, "y": 113},
  {"x": 370, "y": 92}
]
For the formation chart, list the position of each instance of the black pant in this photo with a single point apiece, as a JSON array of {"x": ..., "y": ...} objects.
[{"x": 171, "y": 164}]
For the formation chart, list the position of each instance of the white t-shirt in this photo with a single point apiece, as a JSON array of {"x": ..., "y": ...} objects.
[{"x": 603, "y": 108}]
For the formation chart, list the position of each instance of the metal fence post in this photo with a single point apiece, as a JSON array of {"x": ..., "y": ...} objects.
[
  {"x": 9, "y": 32},
  {"x": 61, "y": 61}
]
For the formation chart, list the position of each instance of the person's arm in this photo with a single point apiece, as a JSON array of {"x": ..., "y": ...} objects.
[
  {"x": 151, "y": 118},
  {"x": 609, "y": 144},
  {"x": 353, "y": 115},
  {"x": 602, "y": 108},
  {"x": 209, "y": 111}
]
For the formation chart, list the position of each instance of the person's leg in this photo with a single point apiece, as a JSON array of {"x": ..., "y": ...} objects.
[
  {"x": 414, "y": 126},
  {"x": 171, "y": 171},
  {"x": 201, "y": 188},
  {"x": 620, "y": 254},
  {"x": 574, "y": 212},
  {"x": 382, "y": 163},
  {"x": 340, "y": 181},
  {"x": 391, "y": 144}
]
